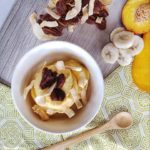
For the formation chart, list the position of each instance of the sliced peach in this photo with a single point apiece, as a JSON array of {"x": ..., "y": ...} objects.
[
  {"x": 136, "y": 16},
  {"x": 141, "y": 66}
]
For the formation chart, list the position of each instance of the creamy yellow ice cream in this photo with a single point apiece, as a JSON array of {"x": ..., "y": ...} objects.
[{"x": 55, "y": 88}]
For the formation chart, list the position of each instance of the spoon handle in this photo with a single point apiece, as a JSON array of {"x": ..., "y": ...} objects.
[{"x": 83, "y": 136}]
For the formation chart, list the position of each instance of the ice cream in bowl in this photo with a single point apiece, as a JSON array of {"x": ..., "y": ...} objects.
[{"x": 57, "y": 87}]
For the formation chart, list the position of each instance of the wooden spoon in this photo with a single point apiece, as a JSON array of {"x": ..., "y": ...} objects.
[{"x": 122, "y": 120}]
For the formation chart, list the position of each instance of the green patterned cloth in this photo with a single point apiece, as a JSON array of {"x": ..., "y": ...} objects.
[{"x": 120, "y": 95}]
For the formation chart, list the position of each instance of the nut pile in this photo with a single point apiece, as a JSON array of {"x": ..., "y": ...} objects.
[
  {"x": 61, "y": 14},
  {"x": 48, "y": 79}
]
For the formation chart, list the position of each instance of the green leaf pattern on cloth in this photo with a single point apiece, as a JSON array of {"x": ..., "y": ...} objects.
[{"x": 120, "y": 95}]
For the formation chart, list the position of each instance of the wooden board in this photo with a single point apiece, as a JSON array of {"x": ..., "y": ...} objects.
[{"x": 16, "y": 36}]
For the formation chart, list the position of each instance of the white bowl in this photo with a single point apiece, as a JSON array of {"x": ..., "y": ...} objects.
[{"x": 50, "y": 52}]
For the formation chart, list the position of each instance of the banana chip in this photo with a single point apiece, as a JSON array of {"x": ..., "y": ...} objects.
[{"x": 37, "y": 29}]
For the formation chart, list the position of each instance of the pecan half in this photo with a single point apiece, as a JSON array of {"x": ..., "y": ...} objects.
[
  {"x": 91, "y": 20},
  {"x": 102, "y": 25},
  {"x": 58, "y": 94},
  {"x": 46, "y": 17},
  {"x": 56, "y": 31},
  {"x": 60, "y": 81},
  {"x": 48, "y": 78},
  {"x": 65, "y": 23},
  {"x": 103, "y": 13},
  {"x": 61, "y": 7},
  {"x": 85, "y": 2},
  {"x": 98, "y": 6}
]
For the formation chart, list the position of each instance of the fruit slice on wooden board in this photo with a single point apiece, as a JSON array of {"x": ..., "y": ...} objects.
[
  {"x": 141, "y": 66},
  {"x": 136, "y": 16}
]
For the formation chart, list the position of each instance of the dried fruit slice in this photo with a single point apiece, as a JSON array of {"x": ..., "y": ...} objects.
[
  {"x": 115, "y": 31},
  {"x": 37, "y": 30},
  {"x": 123, "y": 39},
  {"x": 124, "y": 60},
  {"x": 110, "y": 53},
  {"x": 141, "y": 66},
  {"x": 137, "y": 46},
  {"x": 136, "y": 16}
]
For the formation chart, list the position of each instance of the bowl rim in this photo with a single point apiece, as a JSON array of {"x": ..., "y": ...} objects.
[{"x": 31, "y": 51}]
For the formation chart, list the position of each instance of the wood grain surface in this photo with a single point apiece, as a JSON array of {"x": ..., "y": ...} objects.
[{"x": 16, "y": 36}]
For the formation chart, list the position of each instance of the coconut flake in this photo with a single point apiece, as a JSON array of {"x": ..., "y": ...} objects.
[
  {"x": 37, "y": 30},
  {"x": 74, "y": 11},
  {"x": 85, "y": 14},
  {"x": 60, "y": 65},
  {"x": 40, "y": 100},
  {"x": 52, "y": 3},
  {"x": 69, "y": 112},
  {"x": 76, "y": 98},
  {"x": 83, "y": 96},
  {"x": 99, "y": 20},
  {"x": 78, "y": 69},
  {"x": 27, "y": 89},
  {"x": 49, "y": 24},
  {"x": 91, "y": 7},
  {"x": 50, "y": 111},
  {"x": 52, "y": 13},
  {"x": 71, "y": 28}
]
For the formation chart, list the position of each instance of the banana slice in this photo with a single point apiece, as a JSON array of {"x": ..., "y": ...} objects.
[
  {"x": 123, "y": 39},
  {"x": 115, "y": 31},
  {"x": 124, "y": 60},
  {"x": 124, "y": 52},
  {"x": 137, "y": 46},
  {"x": 110, "y": 53}
]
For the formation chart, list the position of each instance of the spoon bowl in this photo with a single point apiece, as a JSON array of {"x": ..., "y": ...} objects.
[{"x": 122, "y": 120}]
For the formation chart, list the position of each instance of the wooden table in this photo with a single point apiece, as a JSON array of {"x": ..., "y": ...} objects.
[{"x": 16, "y": 36}]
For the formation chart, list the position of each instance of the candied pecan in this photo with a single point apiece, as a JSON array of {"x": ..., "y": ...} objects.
[
  {"x": 39, "y": 21},
  {"x": 58, "y": 94},
  {"x": 56, "y": 31},
  {"x": 65, "y": 23},
  {"x": 91, "y": 20},
  {"x": 60, "y": 81},
  {"x": 48, "y": 78},
  {"x": 103, "y": 13},
  {"x": 102, "y": 25},
  {"x": 46, "y": 17},
  {"x": 85, "y": 2},
  {"x": 61, "y": 7},
  {"x": 98, "y": 6}
]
